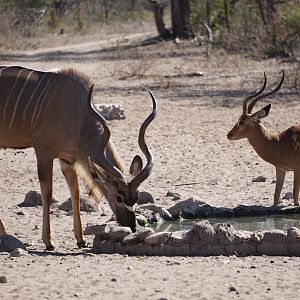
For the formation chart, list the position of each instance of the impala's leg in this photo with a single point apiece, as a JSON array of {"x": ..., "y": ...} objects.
[
  {"x": 72, "y": 181},
  {"x": 2, "y": 229},
  {"x": 296, "y": 187},
  {"x": 280, "y": 175},
  {"x": 45, "y": 171}
]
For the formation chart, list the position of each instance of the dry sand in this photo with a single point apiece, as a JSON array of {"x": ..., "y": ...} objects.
[{"x": 192, "y": 157}]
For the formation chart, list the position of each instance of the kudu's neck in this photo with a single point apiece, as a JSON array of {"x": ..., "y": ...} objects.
[
  {"x": 263, "y": 141},
  {"x": 93, "y": 145}
]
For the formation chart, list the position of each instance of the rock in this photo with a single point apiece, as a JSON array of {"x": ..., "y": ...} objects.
[
  {"x": 207, "y": 210},
  {"x": 21, "y": 213},
  {"x": 159, "y": 212},
  {"x": 131, "y": 239},
  {"x": 225, "y": 233},
  {"x": 118, "y": 233},
  {"x": 164, "y": 213},
  {"x": 141, "y": 219},
  {"x": 18, "y": 252},
  {"x": 175, "y": 196},
  {"x": 137, "y": 237},
  {"x": 33, "y": 198},
  {"x": 294, "y": 233},
  {"x": 144, "y": 198},
  {"x": 204, "y": 230},
  {"x": 8, "y": 243},
  {"x": 288, "y": 196},
  {"x": 178, "y": 238},
  {"x": 153, "y": 207},
  {"x": 259, "y": 179},
  {"x": 293, "y": 238},
  {"x": 187, "y": 207},
  {"x": 257, "y": 236},
  {"x": 110, "y": 111},
  {"x": 101, "y": 230},
  {"x": 157, "y": 238},
  {"x": 3, "y": 279},
  {"x": 144, "y": 232},
  {"x": 274, "y": 242},
  {"x": 86, "y": 205}
]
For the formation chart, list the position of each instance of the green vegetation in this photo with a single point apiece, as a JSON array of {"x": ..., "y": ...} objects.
[
  {"x": 261, "y": 27},
  {"x": 270, "y": 27}
]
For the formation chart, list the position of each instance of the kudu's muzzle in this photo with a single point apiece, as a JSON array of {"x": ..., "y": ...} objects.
[{"x": 126, "y": 216}]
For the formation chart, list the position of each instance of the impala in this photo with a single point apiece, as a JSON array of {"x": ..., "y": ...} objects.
[
  {"x": 279, "y": 149},
  {"x": 53, "y": 113}
]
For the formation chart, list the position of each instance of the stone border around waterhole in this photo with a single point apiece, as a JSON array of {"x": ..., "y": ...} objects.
[{"x": 202, "y": 239}]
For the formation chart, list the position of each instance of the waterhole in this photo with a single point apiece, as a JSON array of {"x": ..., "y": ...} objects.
[{"x": 282, "y": 222}]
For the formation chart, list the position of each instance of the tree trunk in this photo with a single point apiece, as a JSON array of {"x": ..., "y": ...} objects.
[
  {"x": 159, "y": 19},
  {"x": 181, "y": 27},
  {"x": 271, "y": 19}
]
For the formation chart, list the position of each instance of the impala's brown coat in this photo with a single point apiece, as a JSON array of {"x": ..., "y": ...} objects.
[{"x": 279, "y": 149}]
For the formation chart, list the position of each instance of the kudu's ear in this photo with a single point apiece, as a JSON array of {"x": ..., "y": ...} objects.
[
  {"x": 262, "y": 113},
  {"x": 136, "y": 165}
]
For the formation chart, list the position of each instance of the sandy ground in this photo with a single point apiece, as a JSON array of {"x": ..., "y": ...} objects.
[{"x": 192, "y": 157}]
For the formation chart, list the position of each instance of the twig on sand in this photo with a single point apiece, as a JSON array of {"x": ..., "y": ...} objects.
[{"x": 188, "y": 183}]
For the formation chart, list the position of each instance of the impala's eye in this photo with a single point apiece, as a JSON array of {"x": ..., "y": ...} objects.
[{"x": 241, "y": 122}]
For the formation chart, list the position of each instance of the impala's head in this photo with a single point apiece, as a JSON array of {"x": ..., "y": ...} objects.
[
  {"x": 248, "y": 120},
  {"x": 120, "y": 191}
]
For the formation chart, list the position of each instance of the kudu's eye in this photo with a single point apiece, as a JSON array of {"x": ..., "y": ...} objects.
[{"x": 119, "y": 198}]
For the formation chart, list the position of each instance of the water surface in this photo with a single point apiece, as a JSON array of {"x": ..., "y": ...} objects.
[{"x": 282, "y": 222}]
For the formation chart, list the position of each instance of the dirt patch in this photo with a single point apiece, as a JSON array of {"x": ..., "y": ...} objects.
[{"x": 192, "y": 157}]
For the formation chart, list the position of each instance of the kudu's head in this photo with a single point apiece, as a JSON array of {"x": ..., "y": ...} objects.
[
  {"x": 248, "y": 119},
  {"x": 122, "y": 194}
]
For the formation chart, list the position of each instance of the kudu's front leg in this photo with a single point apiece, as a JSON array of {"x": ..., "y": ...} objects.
[
  {"x": 296, "y": 187},
  {"x": 72, "y": 181},
  {"x": 280, "y": 175},
  {"x": 45, "y": 172}
]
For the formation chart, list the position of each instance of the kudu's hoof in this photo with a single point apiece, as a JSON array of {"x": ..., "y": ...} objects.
[
  {"x": 82, "y": 244},
  {"x": 49, "y": 248}
]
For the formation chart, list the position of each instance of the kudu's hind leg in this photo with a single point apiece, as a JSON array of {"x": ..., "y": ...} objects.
[
  {"x": 72, "y": 181},
  {"x": 280, "y": 175},
  {"x": 45, "y": 171},
  {"x": 2, "y": 229}
]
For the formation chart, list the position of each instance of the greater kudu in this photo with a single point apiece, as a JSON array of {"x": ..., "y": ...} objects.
[
  {"x": 53, "y": 113},
  {"x": 279, "y": 149}
]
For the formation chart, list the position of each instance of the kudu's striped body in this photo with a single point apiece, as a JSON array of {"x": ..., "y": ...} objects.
[
  {"x": 279, "y": 149},
  {"x": 52, "y": 112}
]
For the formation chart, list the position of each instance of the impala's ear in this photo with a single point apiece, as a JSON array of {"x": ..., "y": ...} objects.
[
  {"x": 136, "y": 165},
  {"x": 262, "y": 113}
]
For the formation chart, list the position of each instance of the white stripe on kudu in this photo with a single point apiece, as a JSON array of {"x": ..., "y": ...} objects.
[
  {"x": 1, "y": 70},
  {"x": 18, "y": 99},
  {"x": 42, "y": 102},
  {"x": 33, "y": 94},
  {"x": 38, "y": 100},
  {"x": 8, "y": 98}
]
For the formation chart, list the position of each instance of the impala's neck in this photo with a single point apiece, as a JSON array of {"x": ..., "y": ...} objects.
[{"x": 264, "y": 142}]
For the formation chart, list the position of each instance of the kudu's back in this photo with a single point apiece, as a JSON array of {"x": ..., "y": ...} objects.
[{"x": 40, "y": 109}]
